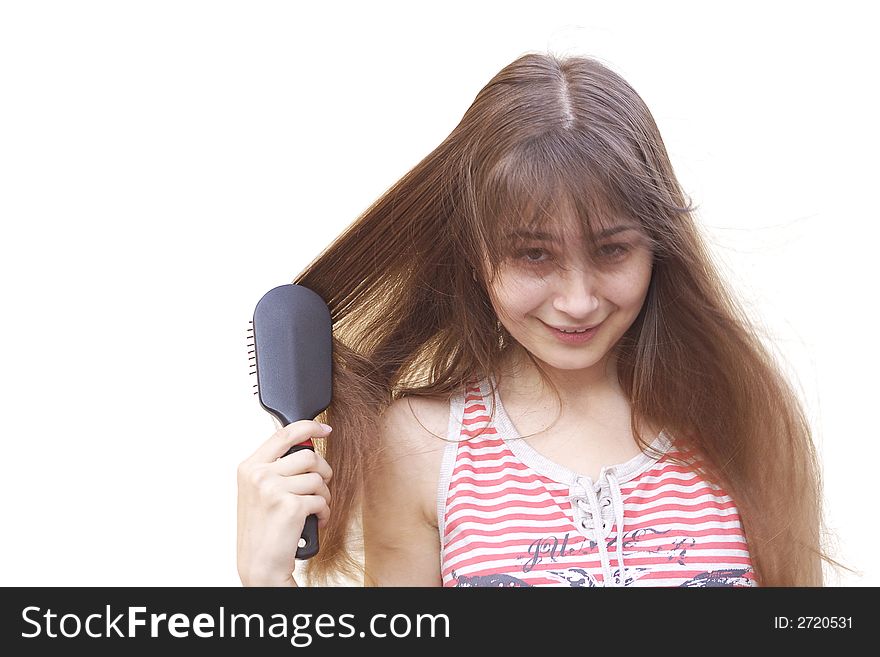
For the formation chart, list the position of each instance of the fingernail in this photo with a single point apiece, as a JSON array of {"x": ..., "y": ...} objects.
[{"x": 327, "y": 427}]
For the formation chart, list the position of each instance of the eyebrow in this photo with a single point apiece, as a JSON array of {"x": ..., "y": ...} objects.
[{"x": 546, "y": 237}]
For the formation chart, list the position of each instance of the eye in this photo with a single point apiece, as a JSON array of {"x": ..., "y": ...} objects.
[
  {"x": 531, "y": 256},
  {"x": 614, "y": 251}
]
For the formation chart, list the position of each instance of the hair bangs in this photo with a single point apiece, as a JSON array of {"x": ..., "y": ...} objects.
[{"x": 561, "y": 196}]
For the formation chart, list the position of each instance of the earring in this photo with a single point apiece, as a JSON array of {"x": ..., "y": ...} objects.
[
  {"x": 500, "y": 334},
  {"x": 473, "y": 273}
]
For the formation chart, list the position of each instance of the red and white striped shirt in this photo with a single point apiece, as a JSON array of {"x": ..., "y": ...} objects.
[{"x": 508, "y": 516}]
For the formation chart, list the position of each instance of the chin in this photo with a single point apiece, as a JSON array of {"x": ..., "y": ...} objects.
[
  {"x": 574, "y": 365},
  {"x": 569, "y": 361}
]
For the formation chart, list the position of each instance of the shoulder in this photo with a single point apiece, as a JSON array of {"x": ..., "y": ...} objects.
[{"x": 416, "y": 419}]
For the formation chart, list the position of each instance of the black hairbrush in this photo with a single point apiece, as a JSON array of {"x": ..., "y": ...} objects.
[{"x": 292, "y": 358}]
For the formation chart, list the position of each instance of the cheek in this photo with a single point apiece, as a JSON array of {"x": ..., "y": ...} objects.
[
  {"x": 513, "y": 297},
  {"x": 630, "y": 288}
]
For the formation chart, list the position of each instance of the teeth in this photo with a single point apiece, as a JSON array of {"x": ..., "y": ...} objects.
[{"x": 564, "y": 331}]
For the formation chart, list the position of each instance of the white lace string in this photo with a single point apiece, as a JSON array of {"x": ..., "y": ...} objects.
[{"x": 592, "y": 517}]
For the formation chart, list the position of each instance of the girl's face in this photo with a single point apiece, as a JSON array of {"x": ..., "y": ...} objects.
[{"x": 547, "y": 285}]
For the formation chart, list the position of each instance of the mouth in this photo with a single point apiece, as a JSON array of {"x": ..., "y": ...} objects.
[{"x": 573, "y": 335}]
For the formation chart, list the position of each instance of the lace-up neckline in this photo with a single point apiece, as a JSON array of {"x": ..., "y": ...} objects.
[{"x": 596, "y": 509}]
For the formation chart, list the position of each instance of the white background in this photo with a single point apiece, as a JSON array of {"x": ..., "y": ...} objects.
[{"x": 163, "y": 164}]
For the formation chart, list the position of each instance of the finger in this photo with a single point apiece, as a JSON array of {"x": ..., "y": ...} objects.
[
  {"x": 307, "y": 484},
  {"x": 286, "y": 437},
  {"x": 315, "y": 504},
  {"x": 304, "y": 460}
]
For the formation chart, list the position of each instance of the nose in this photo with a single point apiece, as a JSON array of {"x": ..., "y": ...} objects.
[{"x": 577, "y": 294}]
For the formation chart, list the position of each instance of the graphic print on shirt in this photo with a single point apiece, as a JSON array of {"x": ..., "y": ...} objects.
[
  {"x": 549, "y": 548},
  {"x": 507, "y": 523}
]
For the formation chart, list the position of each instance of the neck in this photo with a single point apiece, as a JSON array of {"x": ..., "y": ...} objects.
[{"x": 521, "y": 379}]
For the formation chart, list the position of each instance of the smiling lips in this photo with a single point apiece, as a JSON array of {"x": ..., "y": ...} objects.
[{"x": 574, "y": 336}]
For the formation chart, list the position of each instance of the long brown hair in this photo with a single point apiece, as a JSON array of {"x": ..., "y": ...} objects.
[{"x": 410, "y": 318}]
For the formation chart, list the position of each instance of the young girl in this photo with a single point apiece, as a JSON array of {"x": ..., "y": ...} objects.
[{"x": 540, "y": 377}]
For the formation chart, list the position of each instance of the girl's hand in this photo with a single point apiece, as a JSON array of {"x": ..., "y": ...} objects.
[{"x": 275, "y": 495}]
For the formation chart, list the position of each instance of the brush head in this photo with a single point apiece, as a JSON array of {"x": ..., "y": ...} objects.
[{"x": 292, "y": 353}]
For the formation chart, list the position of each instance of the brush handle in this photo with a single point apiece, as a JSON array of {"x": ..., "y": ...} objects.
[{"x": 309, "y": 538}]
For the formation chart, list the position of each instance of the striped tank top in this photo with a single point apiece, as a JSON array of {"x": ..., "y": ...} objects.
[{"x": 508, "y": 516}]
